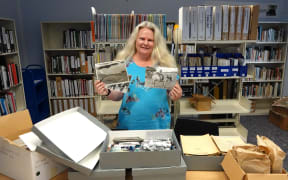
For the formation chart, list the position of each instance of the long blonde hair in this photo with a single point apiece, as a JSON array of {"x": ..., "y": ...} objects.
[{"x": 160, "y": 54}]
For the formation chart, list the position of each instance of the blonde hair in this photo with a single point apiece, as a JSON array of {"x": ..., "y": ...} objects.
[{"x": 160, "y": 54}]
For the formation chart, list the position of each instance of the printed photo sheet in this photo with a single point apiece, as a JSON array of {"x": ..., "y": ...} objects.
[
  {"x": 160, "y": 77},
  {"x": 113, "y": 74}
]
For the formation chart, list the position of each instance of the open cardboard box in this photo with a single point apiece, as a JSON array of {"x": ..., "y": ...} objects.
[
  {"x": 234, "y": 171},
  {"x": 15, "y": 160},
  {"x": 118, "y": 160}
]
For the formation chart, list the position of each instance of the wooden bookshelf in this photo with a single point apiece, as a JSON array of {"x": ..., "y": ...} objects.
[{"x": 13, "y": 94}]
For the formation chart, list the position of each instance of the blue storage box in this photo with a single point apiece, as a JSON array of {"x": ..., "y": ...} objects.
[
  {"x": 213, "y": 71},
  {"x": 199, "y": 71},
  {"x": 224, "y": 71},
  {"x": 207, "y": 71},
  {"x": 243, "y": 71},
  {"x": 234, "y": 70},
  {"x": 192, "y": 71},
  {"x": 185, "y": 71}
]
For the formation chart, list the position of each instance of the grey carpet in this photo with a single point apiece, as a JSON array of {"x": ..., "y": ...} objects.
[{"x": 260, "y": 125}]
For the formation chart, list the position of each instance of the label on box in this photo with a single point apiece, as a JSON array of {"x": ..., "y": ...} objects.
[{"x": 224, "y": 70}]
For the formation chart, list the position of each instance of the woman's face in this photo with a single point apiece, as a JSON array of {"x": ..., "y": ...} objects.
[{"x": 145, "y": 41}]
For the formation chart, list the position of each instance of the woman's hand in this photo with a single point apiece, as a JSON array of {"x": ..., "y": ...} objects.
[
  {"x": 100, "y": 88},
  {"x": 176, "y": 92}
]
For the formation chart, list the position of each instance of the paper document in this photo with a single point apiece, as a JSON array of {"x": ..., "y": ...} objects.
[
  {"x": 225, "y": 143},
  {"x": 113, "y": 74},
  {"x": 31, "y": 140},
  {"x": 160, "y": 77},
  {"x": 73, "y": 133},
  {"x": 198, "y": 145}
]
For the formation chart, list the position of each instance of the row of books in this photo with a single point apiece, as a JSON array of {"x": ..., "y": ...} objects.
[
  {"x": 71, "y": 64},
  {"x": 8, "y": 103},
  {"x": 107, "y": 53},
  {"x": 261, "y": 90},
  {"x": 59, "y": 105},
  {"x": 7, "y": 40},
  {"x": 218, "y": 22},
  {"x": 73, "y": 38},
  {"x": 271, "y": 34},
  {"x": 118, "y": 27},
  {"x": 264, "y": 73},
  {"x": 216, "y": 88},
  {"x": 264, "y": 54},
  {"x": 9, "y": 76},
  {"x": 217, "y": 59},
  {"x": 71, "y": 87}
]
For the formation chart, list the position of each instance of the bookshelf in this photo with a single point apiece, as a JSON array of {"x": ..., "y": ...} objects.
[
  {"x": 266, "y": 59},
  {"x": 12, "y": 97},
  {"x": 227, "y": 109},
  {"x": 213, "y": 43},
  {"x": 69, "y": 64},
  {"x": 109, "y": 42}
]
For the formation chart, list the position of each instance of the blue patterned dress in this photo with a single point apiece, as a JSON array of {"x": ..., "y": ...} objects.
[{"x": 142, "y": 107}]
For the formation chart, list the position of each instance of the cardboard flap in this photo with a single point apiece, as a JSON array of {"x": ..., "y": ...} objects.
[
  {"x": 15, "y": 124},
  {"x": 231, "y": 167},
  {"x": 253, "y": 176}
]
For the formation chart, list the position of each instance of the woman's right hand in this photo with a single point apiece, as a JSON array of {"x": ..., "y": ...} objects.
[{"x": 100, "y": 88}]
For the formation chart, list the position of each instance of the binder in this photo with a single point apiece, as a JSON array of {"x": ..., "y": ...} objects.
[
  {"x": 239, "y": 24},
  {"x": 225, "y": 22},
  {"x": 201, "y": 23},
  {"x": 217, "y": 22},
  {"x": 232, "y": 20},
  {"x": 193, "y": 23},
  {"x": 246, "y": 22},
  {"x": 184, "y": 22},
  {"x": 254, "y": 22},
  {"x": 209, "y": 23}
]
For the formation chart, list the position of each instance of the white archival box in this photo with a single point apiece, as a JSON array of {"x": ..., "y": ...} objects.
[{"x": 73, "y": 134}]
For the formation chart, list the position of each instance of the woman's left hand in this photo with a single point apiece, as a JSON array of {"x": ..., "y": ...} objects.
[{"x": 176, "y": 92}]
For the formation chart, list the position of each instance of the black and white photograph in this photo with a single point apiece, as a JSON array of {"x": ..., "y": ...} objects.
[
  {"x": 160, "y": 77},
  {"x": 113, "y": 74},
  {"x": 123, "y": 87}
]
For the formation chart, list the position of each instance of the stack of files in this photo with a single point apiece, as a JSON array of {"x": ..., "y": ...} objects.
[
  {"x": 73, "y": 138},
  {"x": 205, "y": 152}
]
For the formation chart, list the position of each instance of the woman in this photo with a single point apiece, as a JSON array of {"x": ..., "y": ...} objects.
[{"x": 142, "y": 107}]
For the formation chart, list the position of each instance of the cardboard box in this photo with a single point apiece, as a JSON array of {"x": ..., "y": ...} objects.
[
  {"x": 278, "y": 119},
  {"x": 99, "y": 174},
  {"x": 114, "y": 160},
  {"x": 16, "y": 161},
  {"x": 203, "y": 163},
  {"x": 234, "y": 171},
  {"x": 206, "y": 175},
  {"x": 160, "y": 173}
]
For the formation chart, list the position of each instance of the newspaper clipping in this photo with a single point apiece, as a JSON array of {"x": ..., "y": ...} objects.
[
  {"x": 113, "y": 74},
  {"x": 160, "y": 77}
]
